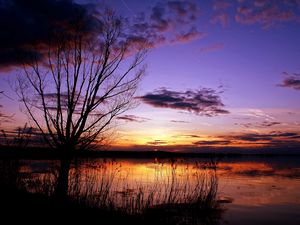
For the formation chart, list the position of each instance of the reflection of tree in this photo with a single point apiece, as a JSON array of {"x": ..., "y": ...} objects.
[
  {"x": 9, "y": 174},
  {"x": 84, "y": 82}
]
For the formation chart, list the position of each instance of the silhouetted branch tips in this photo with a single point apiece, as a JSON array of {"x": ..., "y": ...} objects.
[{"x": 82, "y": 83}]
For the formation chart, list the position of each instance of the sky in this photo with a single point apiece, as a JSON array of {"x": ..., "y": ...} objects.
[{"x": 219, "y": 73}]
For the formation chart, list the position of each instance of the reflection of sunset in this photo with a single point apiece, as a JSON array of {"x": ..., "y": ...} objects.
[
  {"x": 248, "y": 183},
  {"x": 243, "y": 167},
  {"x": 245, "y": 185}
]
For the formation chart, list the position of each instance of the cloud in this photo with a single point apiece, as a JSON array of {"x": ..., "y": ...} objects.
[
  {"x": 253, "y": 139},
  {"x": 264, "y": 124},
  {"x": 160, "y": 23},
  {"x": 221, "y": 5},
  {"x": 51, "y": 100},
  {"x": 222, "y": 18},
  {"x": 169, "y": 15},
  {"x": 133, "y": 118},
  {"x": 275, "y": 139},
  {"x": 204, "y": 101},
  {"x": 165, "y": 15},
  {"x": 269, "y": 123},
  {"x": 168, "y": 22},
  {"x": 179, "y": 121},
  {"x": 256, "y": 114},
  {"x": 213, "y": 142},
  {"x": 266, "y": 14},
  {"x": 4, "y": 118},
  {"x": 260, "y": 3},
  {"x": 211, "y": 48},
  {"x": 189, "y": 36},
  {"x": 157, "y": 142},
  {"x": 183, "y": 8},
  {"x": 291, "y": 81},
  {"x": 272, "y": 137},
  {"x": 187, "y": 136},
  {"x": 26, "y": 25}
]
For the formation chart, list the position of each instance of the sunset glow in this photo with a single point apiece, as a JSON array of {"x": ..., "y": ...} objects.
[
  {"x": 160, "y": 112},
  {"x": 219, "y": 74}
]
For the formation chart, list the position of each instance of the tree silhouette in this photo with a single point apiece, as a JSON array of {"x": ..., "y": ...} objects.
[
  {"x": 74, "y": 89},
  {"x": 73, "y": 93}
]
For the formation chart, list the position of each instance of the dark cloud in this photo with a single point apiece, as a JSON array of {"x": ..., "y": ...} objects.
[
  {"x": 204, "y": 101},
  {"x": 263, "y": 124},
  {"x": 296, "y": 137},
  {"x": 183, "y": 8},
  {"x": 187, "y": 136},
  {"x": 159, "y": 22},
  {"x": 133, "y": 118},
  {"x": 269, "y": 123},
  {"x": 272, "y": 137},
  {"x": 283, "y": 134},
  {"x": 291, "y": 81},
  {"x": 214, "y": 142},
  {"x": 26, "y": 25},
  {"x": 169, "y": 22},
  {"x": 255, "y": 137},
  {"x": 51, "y": 101},
  {"x": 157, "y": 142}
]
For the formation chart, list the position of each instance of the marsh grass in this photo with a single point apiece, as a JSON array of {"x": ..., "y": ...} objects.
[{"x": 168, "y": 187}]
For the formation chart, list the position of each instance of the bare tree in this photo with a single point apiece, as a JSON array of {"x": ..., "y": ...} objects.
[{"x": 82, "y": 83}]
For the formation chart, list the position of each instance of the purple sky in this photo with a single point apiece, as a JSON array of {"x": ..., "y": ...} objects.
[{"x": 240, "y": 56}]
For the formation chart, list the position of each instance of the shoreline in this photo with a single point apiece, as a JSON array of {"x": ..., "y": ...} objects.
[{"x": 47, "y": 153}]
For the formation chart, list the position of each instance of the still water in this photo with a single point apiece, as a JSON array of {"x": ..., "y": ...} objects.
[{"x": 252, "y": 190}]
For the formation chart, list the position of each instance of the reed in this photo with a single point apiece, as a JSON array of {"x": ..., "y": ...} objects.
[{"x": 109, "y": 186}]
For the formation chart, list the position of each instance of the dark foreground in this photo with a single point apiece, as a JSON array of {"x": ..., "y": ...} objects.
[
  {"x": 104, "y": 188},
  {"x": 20, "y": 207},
  {"x": 32, "y": 197}
]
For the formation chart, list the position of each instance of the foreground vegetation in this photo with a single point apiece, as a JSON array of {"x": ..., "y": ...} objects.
[{"x": 104, "y": 191}]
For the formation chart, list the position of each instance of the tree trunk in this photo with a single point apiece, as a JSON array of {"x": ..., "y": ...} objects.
[{"x": 61, "y": 191}]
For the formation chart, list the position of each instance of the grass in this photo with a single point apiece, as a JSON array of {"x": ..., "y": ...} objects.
[{"x": 171, "y": 195}]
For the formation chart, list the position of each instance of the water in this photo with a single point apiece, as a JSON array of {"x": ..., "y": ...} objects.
[{"x": 252, "y": 190}]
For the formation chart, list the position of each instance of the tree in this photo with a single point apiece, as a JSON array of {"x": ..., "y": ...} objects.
[
  {"x": 73, "y": 93},
  {"x": 85, "y": 79}
]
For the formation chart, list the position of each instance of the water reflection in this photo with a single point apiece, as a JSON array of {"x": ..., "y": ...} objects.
[
  {"x": 258, "y": 190},
  {"x": 121, "y": 182}
]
